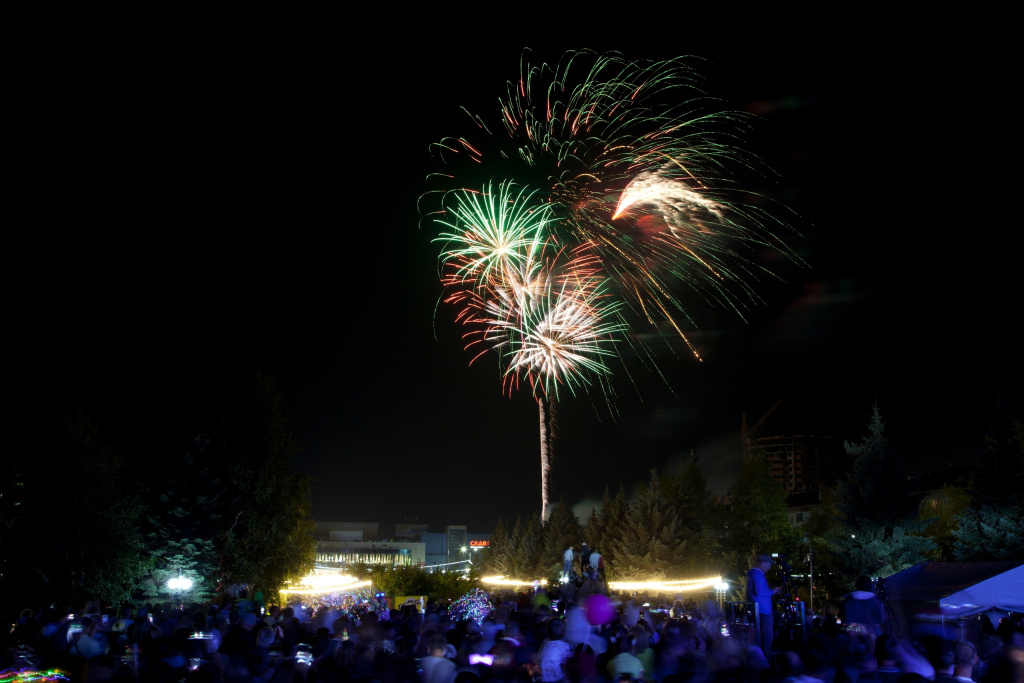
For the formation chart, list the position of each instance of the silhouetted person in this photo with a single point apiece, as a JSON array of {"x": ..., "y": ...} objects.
[{"x": 761, "y": 594}]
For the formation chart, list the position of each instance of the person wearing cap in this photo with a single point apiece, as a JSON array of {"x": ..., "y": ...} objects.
[{"x": 761, "y": 594}]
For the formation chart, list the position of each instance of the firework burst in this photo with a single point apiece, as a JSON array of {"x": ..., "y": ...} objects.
[
  {"x": 542, "y": 308},
  {"x": 633, "y": 159}
]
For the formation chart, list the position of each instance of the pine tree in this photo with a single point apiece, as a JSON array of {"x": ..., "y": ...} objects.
[
  {"x": 821, "y": 530},
  {"x": 689, "y": 496},
  {"x": 878, "y": 533},
  {"x": 512, "y": 566},
  {"x": 561, "y": 531},
  {"x": 880, "y": 551},
  {"x": 83, "y": 490},
  {"x": 688, "y": 492},
  {"x": 651, "y": 543},
  {"x": 530, "y": 549},
  {"x": 610, "y": 525},
  {"x": 496, "y": 559},
  {"x": 946, "y": 510},
  {"x": 992, "y": 527},
  {"x": 758, "y": 519},
  {"x": 998, "y": 477},
  {"x": 876, "y": 487},
  {"x": 592, "y": 530},
  {"x": 991, "y": 533},
  {"x": 180, "y": 535}
]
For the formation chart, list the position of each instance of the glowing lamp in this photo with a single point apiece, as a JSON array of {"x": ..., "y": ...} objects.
[{"x": 179, "y": 583}]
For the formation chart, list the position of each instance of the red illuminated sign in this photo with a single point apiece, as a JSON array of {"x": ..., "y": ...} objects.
[{"x": 479, "y": 544}]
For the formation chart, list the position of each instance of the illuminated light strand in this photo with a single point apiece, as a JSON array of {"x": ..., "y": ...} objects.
[
  {"x": 325, "y": 583},
  {"x": 502, "y": 581},
  {"x": 325, "y": 589},
  {"x": 450, "y": 564},
  {"x": 679, "y": 586}
]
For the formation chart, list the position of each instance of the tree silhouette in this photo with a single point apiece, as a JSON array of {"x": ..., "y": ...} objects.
[
  {"x": 878, "y": 533},
  {"x": 561, "y": 531},
  {"x": 758, "y": 519},
  {"x": 651, "y": 541},
  {"x": 875, "y": 488}
]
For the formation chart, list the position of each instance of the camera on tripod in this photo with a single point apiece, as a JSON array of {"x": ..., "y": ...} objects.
[{"x": 784, "y": 566}]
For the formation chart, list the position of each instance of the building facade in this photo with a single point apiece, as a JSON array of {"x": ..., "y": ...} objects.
[
  {"x": 794, "y": 461},
  {"x": 345, "y": 544}
]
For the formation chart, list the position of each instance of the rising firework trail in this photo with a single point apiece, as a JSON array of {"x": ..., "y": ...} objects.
[{"x": 543, "y": 309}]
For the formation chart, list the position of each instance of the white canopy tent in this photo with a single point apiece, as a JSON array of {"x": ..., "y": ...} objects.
[
  {"x": 950, "y": 592},
  {"x": 1003, "y": 592}
]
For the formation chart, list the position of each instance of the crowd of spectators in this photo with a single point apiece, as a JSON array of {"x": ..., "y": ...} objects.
[{"x": 522, "y": 638}]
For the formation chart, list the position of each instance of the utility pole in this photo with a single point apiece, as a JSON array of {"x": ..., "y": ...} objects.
[{"x": 810, "y": 564}]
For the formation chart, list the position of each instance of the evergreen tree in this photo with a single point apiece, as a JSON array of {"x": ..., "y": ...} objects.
[
  {"x": 84, "y": 491},
  {"x": 651, "y": 543},
  {"x": 758, "y": 519},
  {"x": 593, "y": 532},
  {"x": 529, "y": 563},
  {"x": 991, "y": 533},
  {"x": 998, "y": 477},
  {"x": 224, "y": 505},
  {"x": 945, "y": 509},
  {"x": 878, "y": 533},
  {"x": 992, "y": 527},
  {"x": 688, "y": 494},
  {"x": 876, "y": 488},
  {"x": 180, "y": 537},
  {"x": 496, "y": 559},
  {"x": 515, "y": 538},
  {"x": 613, "y": 523},
  {"x": 562, "y": 531},
  {"x": 882, "y": 551},
  {"x": 821, "y": 531},
  {"x": 270, "y": 535}
]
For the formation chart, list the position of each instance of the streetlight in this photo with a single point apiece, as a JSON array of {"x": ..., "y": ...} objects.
[
  {"x": 720, "y": 588},
  {"x": 180, "y": 584}
]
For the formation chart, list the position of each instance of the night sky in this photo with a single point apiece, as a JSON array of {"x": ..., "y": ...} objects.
[{"x": 249, "y": 201}]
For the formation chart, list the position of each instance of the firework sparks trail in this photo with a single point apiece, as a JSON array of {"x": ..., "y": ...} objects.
[{"x": 667, "y": 194}]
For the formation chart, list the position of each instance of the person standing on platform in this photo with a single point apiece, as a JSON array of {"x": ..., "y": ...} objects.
[
  {"x": 595, "y": 563},
  {"x": 761, "y": 594}
]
